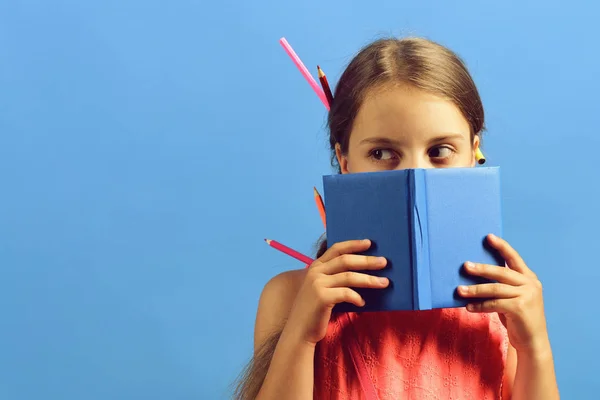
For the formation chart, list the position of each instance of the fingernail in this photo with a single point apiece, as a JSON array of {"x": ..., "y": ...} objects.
[
  {"x": 383, "y": 281},
  {"x": 470, "y": 307},
  {"x": 463, "y": 289},
  {"x": 469, "y": 265},
  {"x": 381, "y": 260}
]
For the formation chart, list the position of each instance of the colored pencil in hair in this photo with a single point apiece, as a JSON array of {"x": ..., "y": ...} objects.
[
  {"x": 325, "y": 85},
  {"x": 479, "y": 157},
  {"x": 290, "y": 252},
  {"x": 320, "y": 207},
  {"x": 309, "y": 78}
]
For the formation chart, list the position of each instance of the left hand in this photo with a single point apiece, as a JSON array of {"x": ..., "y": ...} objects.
[{"x": 517, "y": 297}]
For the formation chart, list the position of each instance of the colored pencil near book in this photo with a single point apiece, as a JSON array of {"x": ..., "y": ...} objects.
[
  {"x": 325, "y": 85},
  {"x": 290, "y": 252},
  {"x": 304, "y": 71},
  {"x": 320, "y": 207},
  {"x": 479, "y": 157}
]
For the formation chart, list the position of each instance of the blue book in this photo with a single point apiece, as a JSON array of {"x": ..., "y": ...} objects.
[{"x": 426, "y": 222}]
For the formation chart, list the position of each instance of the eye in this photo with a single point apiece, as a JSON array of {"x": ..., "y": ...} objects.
[
  {"x": 441, "y": 152},
  {"x": 382, "y": 154}
]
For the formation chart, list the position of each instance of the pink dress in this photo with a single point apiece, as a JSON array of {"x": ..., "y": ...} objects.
[{"x": 445, "y": 354}]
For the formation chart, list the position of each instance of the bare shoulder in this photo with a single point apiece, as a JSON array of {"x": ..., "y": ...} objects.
[{"x": 275, "y": 303}]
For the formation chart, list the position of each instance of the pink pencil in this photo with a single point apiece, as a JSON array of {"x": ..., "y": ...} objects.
[
  {"x": 318, "y": 90},
  {"x": 290, "y": 252}
]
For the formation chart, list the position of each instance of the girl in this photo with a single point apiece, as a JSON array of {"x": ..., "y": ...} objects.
[{"x": 407, "y": 103}]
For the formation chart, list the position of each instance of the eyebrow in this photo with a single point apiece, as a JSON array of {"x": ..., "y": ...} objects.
[
  {"x": 381, "y": 140},
  {"x": 445, "y": 137}
]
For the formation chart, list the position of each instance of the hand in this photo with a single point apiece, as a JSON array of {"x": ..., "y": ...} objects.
[
  {"x": 517, "y": 297},
  {"x": 327, "y": 283}
]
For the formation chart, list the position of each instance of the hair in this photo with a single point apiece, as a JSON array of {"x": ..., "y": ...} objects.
[{"x": 416, "y": 62}]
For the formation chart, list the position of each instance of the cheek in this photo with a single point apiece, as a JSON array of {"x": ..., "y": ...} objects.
[
  {"x": 353, "y": 158},
  {"x": 355, "y": 162},
  {"x": 464, "y": 158}
]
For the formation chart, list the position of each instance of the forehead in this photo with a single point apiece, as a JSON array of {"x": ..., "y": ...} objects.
[{"x": 409, "y": 114}]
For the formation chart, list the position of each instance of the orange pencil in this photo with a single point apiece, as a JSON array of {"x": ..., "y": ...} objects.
[
  {"x": 325, "y": 85},
  {"x": 320, "y": 206},
  {"x": 290, "y": 252}
]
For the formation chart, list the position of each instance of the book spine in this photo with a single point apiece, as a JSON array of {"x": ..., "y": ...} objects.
[{"x": 420, "y": 244}]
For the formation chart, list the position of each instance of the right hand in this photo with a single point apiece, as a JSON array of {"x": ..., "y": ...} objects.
[{"x": 327, "y": 283}]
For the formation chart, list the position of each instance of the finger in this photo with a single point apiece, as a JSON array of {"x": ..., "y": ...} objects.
[
  {"x": 496, "y": 273},
  {"x": 356, "y": 279},
  {"x": 350, "y": 246},
  {"x": 501, "y": 306},
  {"x": 353, "y": 262},
  {"x": 510, "y": 255},
  {"x": 489, "y": 290},
  {"x": 334, "y": 296}
]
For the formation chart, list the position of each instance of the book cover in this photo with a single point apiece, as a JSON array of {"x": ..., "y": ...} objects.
[{"x": 426, "y": 222}]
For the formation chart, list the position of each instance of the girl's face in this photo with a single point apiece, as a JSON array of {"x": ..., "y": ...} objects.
[{"x": 402, "y": 127}]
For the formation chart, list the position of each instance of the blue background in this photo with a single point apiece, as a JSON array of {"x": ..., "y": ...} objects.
[{"x": 148, "y": 147}]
